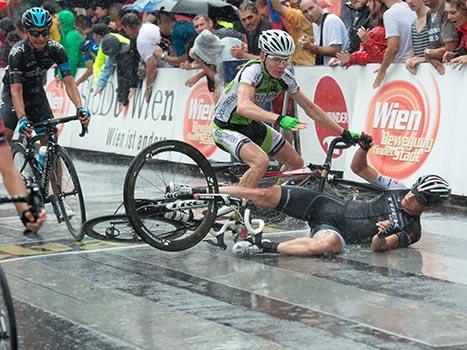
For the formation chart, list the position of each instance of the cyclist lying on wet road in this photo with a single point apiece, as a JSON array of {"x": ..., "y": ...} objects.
[{"x": 389, "y": 221}]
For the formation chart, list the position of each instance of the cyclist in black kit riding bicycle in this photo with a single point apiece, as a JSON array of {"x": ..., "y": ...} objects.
[
  {"x": 24, "y": 100},
  {"x": 389, "y": 221}
]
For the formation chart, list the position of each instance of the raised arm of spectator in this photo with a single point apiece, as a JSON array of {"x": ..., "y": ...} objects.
[
  {"x": 87, "y": 73},
  {"x": 107, "y": 72},
  {"x": 389, "y": 55}
]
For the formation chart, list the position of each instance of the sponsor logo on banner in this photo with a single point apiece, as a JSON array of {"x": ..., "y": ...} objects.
[
  {"x": 58, "y": 100},
  {"x": 330, "y": 98},
  {"x": 199, "y": 112},
  {"x": 403, "y": 119}
]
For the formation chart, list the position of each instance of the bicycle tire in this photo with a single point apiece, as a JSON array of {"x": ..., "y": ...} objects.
[
  {"x": 112, "y": 228},
  {"x": 149, "y": 175},
  {"x": 67, "y": 191},
  {"x": 18, "y": 152},
  {"x": 8, "y": 334}
]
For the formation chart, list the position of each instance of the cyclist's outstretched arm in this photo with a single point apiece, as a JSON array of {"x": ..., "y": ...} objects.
[
  {"x": 316, "y": 113},
  {"x": 247, "y": 108},
  {"x": 361, "y": 167}
]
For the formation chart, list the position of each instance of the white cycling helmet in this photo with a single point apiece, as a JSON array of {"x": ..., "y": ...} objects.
[
  {"x": 276, "y": 42},
  {"x": 431, "y": 190}
]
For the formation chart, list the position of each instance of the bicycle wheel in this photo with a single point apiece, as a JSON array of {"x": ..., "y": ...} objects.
[
  {"x": 113, "y": 228},
  {"x": 146, "y": 181},
  {"x": 67, "y": 192},
  {"x": 18, "y": 152},
  {"x": 8, "y": 337}
]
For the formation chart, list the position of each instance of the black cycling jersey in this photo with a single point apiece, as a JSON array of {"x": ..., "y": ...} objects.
[
  {"x": 354, "y": 220},
  {"x": 29, "y": 66}
]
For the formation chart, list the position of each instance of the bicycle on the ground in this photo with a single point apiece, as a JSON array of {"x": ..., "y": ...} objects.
[
  {"x": 56, "y": 176},
  {"x": 168, "y": 221},
  {"x": 8, "y": 334}
]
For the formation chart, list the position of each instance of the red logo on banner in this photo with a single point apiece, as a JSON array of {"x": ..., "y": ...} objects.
[
  {"x": 58, "y": 100},
  {"x": 329, "y": 97},
  {"x": 197, "y": 119},
  {"x": 404, "y": 127}
]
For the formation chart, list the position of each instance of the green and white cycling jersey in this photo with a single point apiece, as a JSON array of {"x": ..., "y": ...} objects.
[{"x": 267, "y": 88}]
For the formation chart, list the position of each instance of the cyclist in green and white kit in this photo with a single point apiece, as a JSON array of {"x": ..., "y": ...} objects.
[{"x": 239, "y": 125}]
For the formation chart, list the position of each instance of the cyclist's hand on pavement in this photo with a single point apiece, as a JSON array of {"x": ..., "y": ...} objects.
[
  {"x": 351, "y": 137},
  {"x": 290, "y": 123},
  {"x": 84, "y": 116},
  {"x": 25, "y": 127},
  {"x": 33, "y": 222},
  {"x": 365, "y": 141},
  {"x": 384, "y": 228}
]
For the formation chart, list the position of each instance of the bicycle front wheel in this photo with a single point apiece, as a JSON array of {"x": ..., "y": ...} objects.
[
  {"x": 18, "y": 152},
  {"x": 8, "y": 337},
  {"x": 346, "y": 189},
  {"x": 113, "y": 228},
  {"x": 67, "y": 192},
  {"x": 150, "y": 174}
]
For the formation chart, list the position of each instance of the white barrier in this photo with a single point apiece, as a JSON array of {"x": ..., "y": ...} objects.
[{"x": 417, "y": 121}]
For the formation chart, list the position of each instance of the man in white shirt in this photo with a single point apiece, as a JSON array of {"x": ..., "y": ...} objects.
[
  {"x": 397, "y": 20},
  {"x": 329, "y": 30},
  {"x": 147, "y": 36}
]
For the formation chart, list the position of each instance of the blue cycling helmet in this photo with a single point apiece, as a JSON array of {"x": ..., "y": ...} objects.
[{"x": 36, "y": 17}]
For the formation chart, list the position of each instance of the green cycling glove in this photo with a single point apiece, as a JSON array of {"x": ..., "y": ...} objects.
[
  {"x": 351, "y": 137},
  {"x": 287, "y": 122}
]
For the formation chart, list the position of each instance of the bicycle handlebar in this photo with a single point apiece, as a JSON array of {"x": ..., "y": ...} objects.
[
  {"x": 33, "y": 199},
  {"x": 50, "y": 124}
]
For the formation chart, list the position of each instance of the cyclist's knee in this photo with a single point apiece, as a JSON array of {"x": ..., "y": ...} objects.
[
  {"x": 259, "y": 162},
  {"x": 325, "y": 242}
]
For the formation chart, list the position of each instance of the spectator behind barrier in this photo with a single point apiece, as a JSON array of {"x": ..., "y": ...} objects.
[
  {"x": 420, "y": 40},
  {"x": 101, "y": 12},
  {"x": 457, "y": 14},
  {"x": 147, "y": 36},
  {"x": 209, "y": 52},
  {"x": 297, "y": 25},
  {"x": 373, "y": 42},
  {"x": 181, "y": 33},
  {"x": 118, "y": 50},
  {"x": 53, "y": 8},
  {"x": 330, "y": 32},
  {"x": 254, "y": 25},
  {"x": 398, "y": 21},
  {"x": 442, "y": 34},
  {"x": 98, "y": 32},
  {"x": 89, "y": 48},
  {"x": 360, "y": 18},
  {"x": 71, "y": 40}
]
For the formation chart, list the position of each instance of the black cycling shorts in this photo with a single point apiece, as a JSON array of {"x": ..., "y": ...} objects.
[
  {"x": 36, "y": 106},
  {"x": 318, "y": 209}
]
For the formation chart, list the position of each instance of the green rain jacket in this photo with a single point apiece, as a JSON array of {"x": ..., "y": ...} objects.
[{"x": 71, "y": 40}]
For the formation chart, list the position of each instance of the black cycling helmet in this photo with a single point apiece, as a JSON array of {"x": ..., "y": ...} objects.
[
  {"x": 36, "y": 17},
  {"x": 431, "y": 190}
]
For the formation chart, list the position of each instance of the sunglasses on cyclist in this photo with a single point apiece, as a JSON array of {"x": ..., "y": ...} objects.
[
  {"x": 37, "y": 33},
  {"x": 278, "y": 59}
]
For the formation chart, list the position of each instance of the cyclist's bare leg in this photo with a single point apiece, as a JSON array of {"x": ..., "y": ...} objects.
[
  {"x": 8, "y": 134},
  {"x": 326, "y": 242},
  {"x": 261, "y": 197},
  {"x": 257, "y": 160},
  {"x": 289, "y": 157}
]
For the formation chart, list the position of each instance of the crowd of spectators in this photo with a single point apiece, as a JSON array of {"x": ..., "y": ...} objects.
[{"x": 104, "y": 36}]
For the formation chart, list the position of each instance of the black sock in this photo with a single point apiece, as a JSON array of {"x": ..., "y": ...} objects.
[{"x": 269, "y": 247}]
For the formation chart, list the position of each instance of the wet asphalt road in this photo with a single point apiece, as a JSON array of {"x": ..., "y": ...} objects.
[{"x": 98, "y": 295}]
